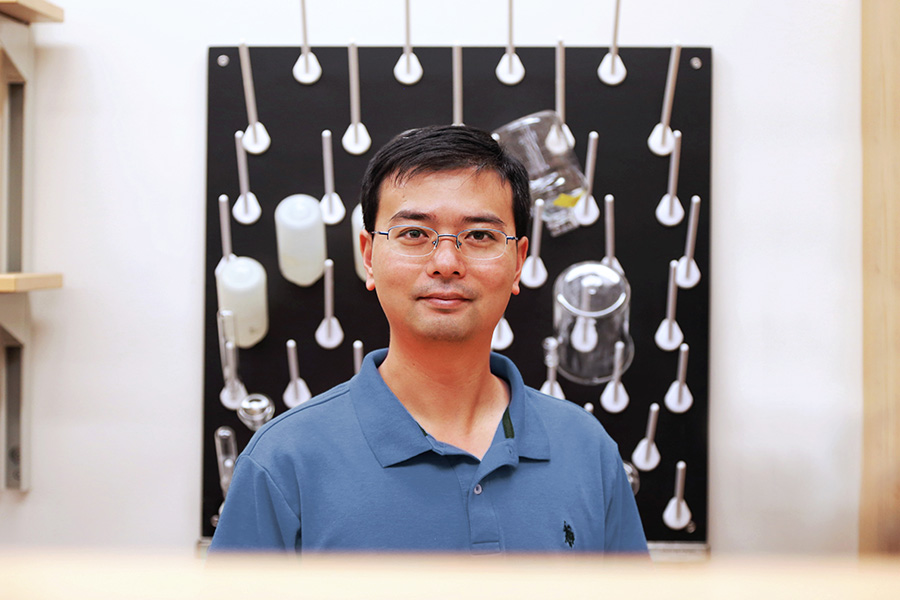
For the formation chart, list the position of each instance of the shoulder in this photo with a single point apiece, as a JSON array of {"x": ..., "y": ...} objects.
[
  {"x": 562, "y": 410},
  {"x": 568, "y": 426},
  {"x": 566, "y": 421},
  {"x": 322, "y": 417}
]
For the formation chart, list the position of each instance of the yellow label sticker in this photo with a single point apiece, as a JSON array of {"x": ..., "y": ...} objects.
[{"x": 567, "y": 201}]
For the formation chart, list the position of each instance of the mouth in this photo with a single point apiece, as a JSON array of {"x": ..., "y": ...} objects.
[{"x": 444, "y": 299}]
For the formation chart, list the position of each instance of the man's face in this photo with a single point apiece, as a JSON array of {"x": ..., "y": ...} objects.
[{"x": 444, "y": 296}]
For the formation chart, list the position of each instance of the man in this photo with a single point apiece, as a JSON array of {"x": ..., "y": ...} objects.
[{"x": 436, "y": 444}]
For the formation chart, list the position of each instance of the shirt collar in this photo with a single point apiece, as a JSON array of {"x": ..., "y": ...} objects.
[
  {"x": 394, "y": 436},
  {"x": 531, "y": 439}
]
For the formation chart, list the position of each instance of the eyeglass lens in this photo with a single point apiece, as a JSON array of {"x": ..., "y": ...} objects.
[{"x": 422, "y": 241}]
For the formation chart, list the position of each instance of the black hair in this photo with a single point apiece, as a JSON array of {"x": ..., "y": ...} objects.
[{"x": 444, "y": 148}]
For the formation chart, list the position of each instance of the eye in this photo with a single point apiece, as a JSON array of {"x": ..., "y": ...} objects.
[
  {"x": 410, "y": 235},
  {"x": 480, "y": 235}
]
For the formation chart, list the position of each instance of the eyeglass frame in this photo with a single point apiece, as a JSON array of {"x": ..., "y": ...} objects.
[{"x": 455, "y": 236}]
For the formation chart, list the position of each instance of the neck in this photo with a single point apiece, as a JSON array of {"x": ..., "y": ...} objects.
[{"x": 449, "y": 390}]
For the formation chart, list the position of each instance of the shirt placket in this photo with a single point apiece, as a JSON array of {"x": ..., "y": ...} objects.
[{"x": 484, "y": 524}]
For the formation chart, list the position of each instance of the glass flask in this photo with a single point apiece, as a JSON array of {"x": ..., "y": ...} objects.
[
  {"x": 539, "y": 141},
  {"x": 255, "y": 411},
  {"x": 591, "y": 306}
]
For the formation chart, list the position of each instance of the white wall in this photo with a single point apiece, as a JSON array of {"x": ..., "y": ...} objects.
[{"x": 119, "y": 192}]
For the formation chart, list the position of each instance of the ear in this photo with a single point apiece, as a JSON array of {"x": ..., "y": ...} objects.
[
  {"x": 521, "y": 254},
  {"x": 365, "y": 246}
]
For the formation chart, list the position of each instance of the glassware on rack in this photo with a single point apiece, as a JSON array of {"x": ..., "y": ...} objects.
[
  {"x": 553, "y": 170},
  {"x": 226, "y": 456},
  {"x": 551, "y": 386},
  {"x": 591, "y": 302},
  {"x": 255, "y": 411},
  {"x": 233, "y": 390}
]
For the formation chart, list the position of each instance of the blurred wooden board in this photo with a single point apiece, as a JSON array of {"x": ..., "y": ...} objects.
[
  {"x": 880, "y": 495},
  {"x": 26, "y": 282},
  {"x": 73, "y": 576},
  {"x": 32, "y": 11}
]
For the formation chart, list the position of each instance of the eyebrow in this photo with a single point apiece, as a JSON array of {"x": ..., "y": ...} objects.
[{"x": 411, "y": 215}]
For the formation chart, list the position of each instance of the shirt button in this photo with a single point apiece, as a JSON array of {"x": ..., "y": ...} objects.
[{"x": 477, "y": 489}]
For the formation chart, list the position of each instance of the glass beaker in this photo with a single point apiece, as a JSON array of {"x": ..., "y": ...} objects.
[
  {"x": 591, "y": 306},
  {"x": 553, "y": 170}
]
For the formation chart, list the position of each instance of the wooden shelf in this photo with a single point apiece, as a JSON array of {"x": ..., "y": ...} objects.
[
  {"x": 32, "y": 11},
  {"x": 26, "y": 282},
  {"x": 94, "y": 576}
]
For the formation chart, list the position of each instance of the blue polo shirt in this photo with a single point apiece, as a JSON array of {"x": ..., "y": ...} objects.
[{"x": 352, "y": 470}]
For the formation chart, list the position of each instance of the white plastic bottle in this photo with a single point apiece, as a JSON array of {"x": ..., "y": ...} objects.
[
  {"x": 241, "y": 288},
  {"x": 300, "y": 236}
]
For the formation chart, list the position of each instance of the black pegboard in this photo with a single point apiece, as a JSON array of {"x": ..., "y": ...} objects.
[{"x": 295, "y": 116}]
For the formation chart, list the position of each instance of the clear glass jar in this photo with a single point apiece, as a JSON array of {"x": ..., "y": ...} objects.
[
  {"x": 591, "y": 307},
  {"x": 539, "y": 141}
]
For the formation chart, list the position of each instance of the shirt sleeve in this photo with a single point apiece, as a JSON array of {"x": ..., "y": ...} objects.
[
  {"x": 256, "y": 516},
  {"x": 624, "y": 531}
]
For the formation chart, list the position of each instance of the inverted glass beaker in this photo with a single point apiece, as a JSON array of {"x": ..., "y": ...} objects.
[{"x": 591, "y": 307}]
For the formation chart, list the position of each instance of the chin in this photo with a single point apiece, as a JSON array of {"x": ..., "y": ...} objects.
[
  {"x": 444, "y": 334},
  {"x": 444, "y": 330}
]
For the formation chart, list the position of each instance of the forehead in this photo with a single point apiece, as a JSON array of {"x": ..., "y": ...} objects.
[{"x": 447, "y": 195}]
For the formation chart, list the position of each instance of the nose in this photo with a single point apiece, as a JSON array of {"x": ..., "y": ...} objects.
[{"x": 446, "y": 260}]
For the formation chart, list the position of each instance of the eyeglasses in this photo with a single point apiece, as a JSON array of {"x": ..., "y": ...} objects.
[{"x": 417, "y": 241}]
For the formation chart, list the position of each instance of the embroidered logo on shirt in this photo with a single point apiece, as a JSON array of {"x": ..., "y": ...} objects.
[{"x": 570, "y": 534}]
